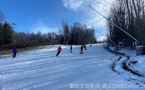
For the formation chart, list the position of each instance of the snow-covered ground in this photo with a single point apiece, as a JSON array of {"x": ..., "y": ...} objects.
[
  {"x": 141, "y": 63},
  {"x": 39, "y": 69}
]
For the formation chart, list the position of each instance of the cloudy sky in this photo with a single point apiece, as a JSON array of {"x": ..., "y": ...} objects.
[{"x": 48, "y": 15}]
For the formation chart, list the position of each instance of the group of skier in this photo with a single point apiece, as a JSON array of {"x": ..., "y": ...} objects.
[
  {"x": 82, "y": 49},
  {"x": 59, "y": 50}
]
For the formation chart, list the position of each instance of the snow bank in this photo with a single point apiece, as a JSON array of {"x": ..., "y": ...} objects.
[{"x": 141, "y": 63}]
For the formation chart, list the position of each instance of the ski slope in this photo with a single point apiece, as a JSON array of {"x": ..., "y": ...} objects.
[{"x": 39, "y": 69}]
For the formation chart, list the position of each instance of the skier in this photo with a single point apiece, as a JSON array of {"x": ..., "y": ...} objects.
[
  {"x": 85, "y": 47},
  {"x": 59, "y": 50},
  {"x": 14, "y": 51},
  {"x": 90, "y": 45},
  {"x": 82, "y": 49},
  {"x": 71, "y": 49},
  {"x": 0, "y": 52}
]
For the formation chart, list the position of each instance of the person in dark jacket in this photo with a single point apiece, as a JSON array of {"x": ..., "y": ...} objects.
[
  {"x": 71, "y": 49},
  {"x": 59, "y": 50},
  {"x": 85, "y": 47},
  {"x": 0, "y": 52},
  {"x": 82, "y": 49},
  {"x": 14, "y": 52}
]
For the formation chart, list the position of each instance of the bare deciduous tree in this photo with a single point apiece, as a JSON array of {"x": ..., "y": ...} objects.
[{"x": 129, "y": 15}]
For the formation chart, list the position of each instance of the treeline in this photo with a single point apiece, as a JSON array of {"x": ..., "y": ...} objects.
[
  {"x": 22, "y": 40},
  {"x": 6, "y": 33},
  {"x": 9, "y": 38},
  {"x": 76, "y": 34},
  {"x": 130, "y": 16}
]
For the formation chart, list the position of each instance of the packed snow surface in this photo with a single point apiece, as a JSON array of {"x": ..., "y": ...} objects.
[{"x": 40, "y": 69}]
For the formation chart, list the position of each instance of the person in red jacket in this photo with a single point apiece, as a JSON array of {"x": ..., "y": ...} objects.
[{"x": 59, "y": 50}]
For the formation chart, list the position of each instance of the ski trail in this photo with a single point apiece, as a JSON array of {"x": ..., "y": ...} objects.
[{"x": 44, "y": 71}]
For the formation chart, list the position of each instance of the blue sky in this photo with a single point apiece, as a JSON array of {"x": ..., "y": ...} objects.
[{"x": 48, "y": 15}]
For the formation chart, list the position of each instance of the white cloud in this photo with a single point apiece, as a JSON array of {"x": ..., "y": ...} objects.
[
  {"x": 43, "y": 28},
  {"x": 93, "y": 19},
  {"x": 102, "y": 6},
  {"x": 73, "y": 4},
  {"x": 102, "y": 38}
]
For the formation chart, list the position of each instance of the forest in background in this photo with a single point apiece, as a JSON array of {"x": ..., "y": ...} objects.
[{"x": 75, "y": 34}]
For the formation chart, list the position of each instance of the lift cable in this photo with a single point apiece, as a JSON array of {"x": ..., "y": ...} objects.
[{"x": 109, "y": 19}]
